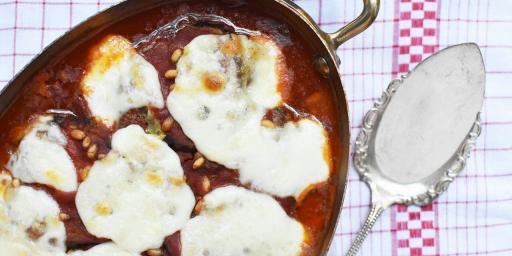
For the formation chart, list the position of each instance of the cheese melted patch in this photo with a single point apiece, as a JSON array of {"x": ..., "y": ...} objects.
[
  {"x": 41, "y": 157},
  {"x": 118, "y": 80},
  {"x": 106, "y": 249},
  {"x": 225, "y": 86},
  {"x": 131, "y": 196},
  {"x": 236, "y": 221},
  {"x": 29, "y": 222}
]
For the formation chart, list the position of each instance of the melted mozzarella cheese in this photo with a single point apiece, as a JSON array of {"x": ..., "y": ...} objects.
[
  {"x": 106, "y": 249},
  {"x": 225, "y": 86},
  {"x": 22, "y": 209},
  {"x": 283, "y": 161},
  {"x": 236, "y": 221},
  {"x": 136, "y": 195},
  {"x": 42, "y": 158},
  {"x": 118, "y": 80}
]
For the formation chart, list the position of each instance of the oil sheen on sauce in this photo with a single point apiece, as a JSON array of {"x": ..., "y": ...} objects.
[{"x": 155, "y": 36}]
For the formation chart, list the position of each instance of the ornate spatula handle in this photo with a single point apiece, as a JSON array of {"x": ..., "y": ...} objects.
[{"x": 373, "y": 215}]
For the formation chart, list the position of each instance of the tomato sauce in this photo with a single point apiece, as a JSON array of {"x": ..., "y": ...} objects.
[{"x": 58, "y": 87}]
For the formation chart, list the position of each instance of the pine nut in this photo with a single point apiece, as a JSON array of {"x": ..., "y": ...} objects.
[
  {"x": 77, "y": 134},
  {"x": 63, "y": 216},
  {"x": 176, "y": 55},
  {"x": 154, "y": 252},
  {"x": 171, "y": 74},
  {"x": 198, "y": 163},
  {"x": 268, "y": 124},
  {"x": 206, "y": 184},
  {"x": 167, "y": 124},
  {"x": 86, "y": 143},
  {"x": 92, "y": 151}
]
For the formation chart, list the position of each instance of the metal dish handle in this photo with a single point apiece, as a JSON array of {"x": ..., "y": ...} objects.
[{"x": 365, "y": 19}]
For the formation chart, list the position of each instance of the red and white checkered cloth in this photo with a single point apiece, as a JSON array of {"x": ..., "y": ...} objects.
[{"x": 474, "y": 217}]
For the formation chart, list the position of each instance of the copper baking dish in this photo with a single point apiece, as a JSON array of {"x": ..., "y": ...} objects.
[{"x": 324, "y": 45}]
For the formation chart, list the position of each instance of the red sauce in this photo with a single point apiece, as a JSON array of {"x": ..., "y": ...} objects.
[{"x": 57, "y": 87}]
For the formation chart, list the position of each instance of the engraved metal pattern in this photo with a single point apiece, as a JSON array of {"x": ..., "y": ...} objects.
[{"x": 373, "y": 216}]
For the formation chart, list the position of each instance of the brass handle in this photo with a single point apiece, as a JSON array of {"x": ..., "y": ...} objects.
[{"x": 365, "y": 19}]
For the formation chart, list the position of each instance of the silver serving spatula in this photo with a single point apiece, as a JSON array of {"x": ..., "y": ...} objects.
[{"x": 417, "y": 137}]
